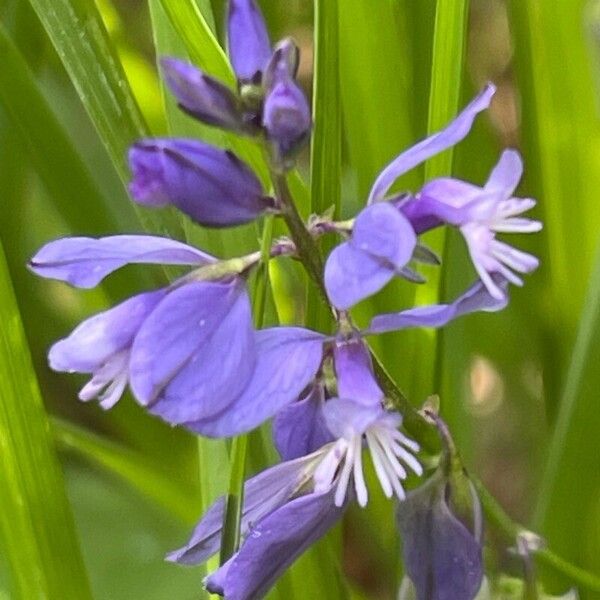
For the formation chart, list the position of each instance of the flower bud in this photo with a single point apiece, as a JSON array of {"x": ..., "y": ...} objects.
[
  {"x": 286, "y": 118},
  {"x": 248, "y": 40},
  {"x": 210, "y": 185},
  {"x": 203, "y": 97},
  {"x": 441, "y": 527}
]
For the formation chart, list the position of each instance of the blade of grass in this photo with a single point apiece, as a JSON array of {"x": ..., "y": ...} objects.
[
  {"x": 49, "y": 147},
  {"x": 77, "y": 31},
  {"x": 569, "y": 490},
  {"x": 449, "y": 43},
  {"x": 36, "y": 526},
  {"x": 127, "y": 464},
  {"x": 326, "y": 148}
]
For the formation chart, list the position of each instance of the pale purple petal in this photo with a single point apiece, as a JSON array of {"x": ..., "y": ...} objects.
[
  {"x": 287, "y": 360},
  {"x": 351, "y": 275},
  {"x": 354, "y": 371},
  {"x": 273, "y": 545},
  {"x": 383, "y": 232},
  {"x": 184, "y": 323},
  {"x": 476, "y": 298},
  {"x": 84, "y": 262},
  {"x": 506, "y": 175},
  {"x": 210, "y": 185},
  {"x": 98, "y": 338},
  {"x": 299, "y": 428},
  {"x": 202, "y": 96},
  {"x": 263, "y": 493},
  {"x": 347, "y": 418},
  {"x": 434, "y": 144},
  {"x": 247, "y": 40},
  {"x": 217, "y": 370}
]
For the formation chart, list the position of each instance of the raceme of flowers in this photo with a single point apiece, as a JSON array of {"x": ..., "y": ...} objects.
[{"x": 190, "y": 354}]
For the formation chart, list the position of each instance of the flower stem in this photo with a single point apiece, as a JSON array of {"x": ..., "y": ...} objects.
[
  {"x": 239, "y": 448},
  {"x": 511, "y": 529}
]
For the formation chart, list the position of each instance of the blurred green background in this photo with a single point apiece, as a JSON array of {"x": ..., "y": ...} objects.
[{"x": 78, "y": 83}]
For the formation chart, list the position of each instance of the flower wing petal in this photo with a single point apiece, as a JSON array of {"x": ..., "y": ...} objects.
[
  {"x": 84, "y": 262},
  {"x": 287, "y": 359},
  {"x": 181, "y": 325},
  {"x": 454, "y": 132},
  {"x": 476, "y": 298}
]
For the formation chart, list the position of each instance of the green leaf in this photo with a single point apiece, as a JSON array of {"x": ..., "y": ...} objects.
[
  {"x": 49, "y": 147},
  {"x": 326, "y": 147},
  {"x": 77, "y": 31},
  {"x": 135, "y": 469},
  {"x": 449, "y": 41},
  {"x": 37, "y": 532}
]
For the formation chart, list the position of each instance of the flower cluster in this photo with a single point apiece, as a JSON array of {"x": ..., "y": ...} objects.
[{"x": 189, "y": 352}]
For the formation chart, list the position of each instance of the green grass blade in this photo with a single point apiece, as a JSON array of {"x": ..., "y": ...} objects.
[
  {"x": 37, "y": 532},
  {"x": 49, "y": 147},
  {"x": 326, "y": 148},
  {"x": 76, "y": 29},
  {"x": 568, "y": 497},
  {"x": 449, "y": 42},
  {"x": 128, "y": 465}
]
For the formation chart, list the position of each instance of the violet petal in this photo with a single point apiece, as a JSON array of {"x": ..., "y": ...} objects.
[
  {"x": 188, "y": 320},
  {"x": 101, "y": 336},
  {"x": 273, "y": 545},
  {"x": 476, "y": 298},
  {"x": 299, "y": 428},
  {"x": 247, "y": 40},
  {"x": 287, "y": 359},
  {"x": 454, "y": 132},
  {"x": 354, "y": 371},
  {"x": 84, "y": 262}
]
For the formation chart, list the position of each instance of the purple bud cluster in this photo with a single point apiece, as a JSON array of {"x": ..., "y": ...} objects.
[{"x": 190, "y": 354}]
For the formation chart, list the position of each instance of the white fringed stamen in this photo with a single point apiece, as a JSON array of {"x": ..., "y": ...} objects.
[
  {"x": 343, "y": 460},
  {"x": 112, "y": 377}
]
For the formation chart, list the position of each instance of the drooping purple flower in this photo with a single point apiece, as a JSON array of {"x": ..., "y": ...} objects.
[
  {"x": 204, "y": 97},
  {"x": 247, "y": 40},
  {"x": 210, "y": 185},
  {"x": 442, "y": 555},
  {"x": 289, "y": 506},
  {"x": 381, "y": 245},
  {"x": 173, "y": 346},
  {"x": 286, "y": 114},
  {"x": 480, "y": 213}
]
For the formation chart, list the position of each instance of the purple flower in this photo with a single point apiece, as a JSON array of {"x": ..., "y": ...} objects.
[
  {"x": 204, "y": 97},
  {"x": 286, "y": 114},
  {"x": 442, "y": 554},
  {"x": 381, "y": 245},
  {"x": 248, "y": 40},
  {"x": 210, "y": 185},
  {"x": 101, "y": 345},
  {"x": 481, "y": 213}
]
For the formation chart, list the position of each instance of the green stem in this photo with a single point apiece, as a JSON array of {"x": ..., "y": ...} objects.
[
  {"x": 235, "y": 497},
  {"x": 504, "y": 523}
]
